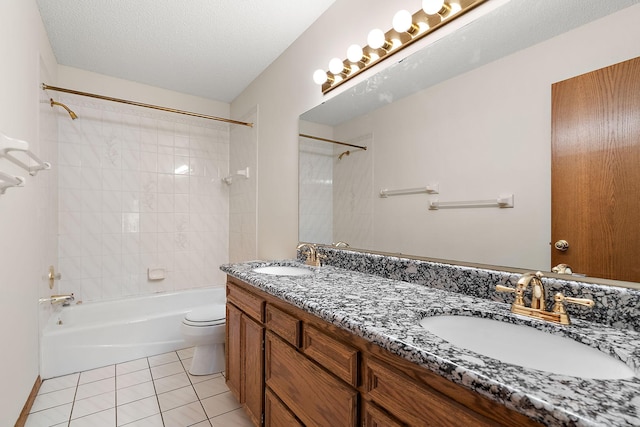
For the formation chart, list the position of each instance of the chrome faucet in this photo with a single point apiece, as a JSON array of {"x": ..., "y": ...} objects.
[
  {"x": 537, "y": 310},
  {"x": 311, "y": 251},
  {"x": 65, "y": 300}
]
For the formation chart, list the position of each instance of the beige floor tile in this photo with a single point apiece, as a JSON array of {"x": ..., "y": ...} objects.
[
  {"x": 173, "y": 399},
  {"x": 198, "y": 378},
  {"x": 135, "y": 392},
  {"x": 55, "y": 398},
  {"x": 132, "y": 366},
  {"x": 186, "y": 353},
  {"x": 235, "y": 418},
  {"x": 137, "y": 410},
  {"x": 220, "y": 404},
  {"x": 171, "y": 382},
  {"x": 162, "y": 359},
  {"x": 167, "y": 369},
  {"x": 99, "y": 419},
  {"x": 97, "y": 374},
  {"x": 152, "y": 421},
  {"x": 49, "y": 417},
  {"x": 93, "y": 404},
  {"x": 186, "y": 415},
  {"x": 133, "y": 378},
  {"x": 95, "y": 388},
  {"x": 59, "y": 383},
  {"x": 211, "y": 387}
]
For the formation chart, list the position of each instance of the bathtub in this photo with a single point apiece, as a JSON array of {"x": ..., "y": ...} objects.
[{"x": 90, "y": 335}]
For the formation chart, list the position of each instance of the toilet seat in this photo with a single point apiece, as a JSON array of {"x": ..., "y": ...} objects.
[{"x": 210, "y": 315}]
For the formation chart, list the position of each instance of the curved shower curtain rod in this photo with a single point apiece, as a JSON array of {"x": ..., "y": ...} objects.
[{"x": 139, "y": 104}]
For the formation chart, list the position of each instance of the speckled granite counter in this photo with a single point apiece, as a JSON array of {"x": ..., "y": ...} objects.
[{"x": 387, "y": 312}]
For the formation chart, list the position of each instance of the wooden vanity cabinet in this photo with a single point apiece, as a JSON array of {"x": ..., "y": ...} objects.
[
  {"x": 315, "y": 396},
  {"x": 244, "y": 365},
  {"x": 312, "y": 373}
]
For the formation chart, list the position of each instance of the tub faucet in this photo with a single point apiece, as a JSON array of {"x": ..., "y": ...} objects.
[
  {"x": 537, "y": 310},
  {"x": 65, "y": 300}
]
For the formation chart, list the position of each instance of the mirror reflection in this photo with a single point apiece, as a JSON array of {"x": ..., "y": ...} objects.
[{"x": 474, "y": 135}]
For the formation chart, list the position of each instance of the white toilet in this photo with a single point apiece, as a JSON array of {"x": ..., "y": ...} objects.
[{"x": 204, "y": 329}]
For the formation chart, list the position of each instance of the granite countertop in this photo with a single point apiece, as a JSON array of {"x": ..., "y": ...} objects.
[{"x": 387, "y": 312}]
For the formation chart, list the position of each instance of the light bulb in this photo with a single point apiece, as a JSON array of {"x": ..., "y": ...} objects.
[
  {"x": 354, "y": 53},
  {"x": 432, "y": 7},
  {"x": 376, "y": 39},
  {"x": 319, "y": 77},
  {"x": 336, "y": 66},
  {"x": 402, "y": 21}
]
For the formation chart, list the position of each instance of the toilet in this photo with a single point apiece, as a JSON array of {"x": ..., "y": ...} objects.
[{"x": 204, "y": 329}]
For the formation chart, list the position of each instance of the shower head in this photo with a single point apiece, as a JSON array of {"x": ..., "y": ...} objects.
[
  {"x": 346, "y": 153},
  {"x": 71, "y": 113}
]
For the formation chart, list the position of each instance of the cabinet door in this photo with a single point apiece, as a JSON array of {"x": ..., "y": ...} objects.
[
  {"x": 276, "y": 414},
  {"x": 233, "y": 348},
  {"x": 253, "y": 375},
  {"x": 316, "y": 397}
]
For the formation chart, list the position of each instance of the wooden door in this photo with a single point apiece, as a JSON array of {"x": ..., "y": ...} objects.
[{"x": 595, "y": 170}]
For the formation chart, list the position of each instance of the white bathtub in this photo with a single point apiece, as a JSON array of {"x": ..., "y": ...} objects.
[{"x": 91, "y": 335}]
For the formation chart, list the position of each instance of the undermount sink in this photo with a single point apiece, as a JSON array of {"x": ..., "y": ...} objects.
[
  {"x": 283, "y": 270},
  {"x": 527, "y": 347}
]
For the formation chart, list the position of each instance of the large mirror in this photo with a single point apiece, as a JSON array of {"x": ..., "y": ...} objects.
[{"x": 465, "y": 126}]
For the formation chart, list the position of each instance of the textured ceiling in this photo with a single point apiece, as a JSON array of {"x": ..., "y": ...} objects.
[{"x": 208, "y": 48}]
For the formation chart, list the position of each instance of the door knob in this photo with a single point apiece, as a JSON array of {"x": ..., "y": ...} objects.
[{"x": 561, "y": 245}]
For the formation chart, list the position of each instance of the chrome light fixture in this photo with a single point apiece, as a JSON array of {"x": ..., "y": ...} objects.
[{"x": 407, "y": 29}]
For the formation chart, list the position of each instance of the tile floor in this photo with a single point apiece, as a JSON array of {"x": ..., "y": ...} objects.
[{"x": 155, "y": 391}]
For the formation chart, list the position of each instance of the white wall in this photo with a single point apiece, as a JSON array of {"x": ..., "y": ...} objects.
[
  {"x": 242, "y": 190},
  {"x": 139, "y": 189},
  {"x": 27, "y": 214},
  {"x": 283, "y": 92},
  {"x": 509, "y": 109}
]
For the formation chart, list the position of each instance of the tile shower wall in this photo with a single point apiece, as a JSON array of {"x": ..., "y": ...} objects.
[
  {"x": 137, "y": 190},
  {"x": 353, "y": 193},
  {"x": 315, "y": 196}
]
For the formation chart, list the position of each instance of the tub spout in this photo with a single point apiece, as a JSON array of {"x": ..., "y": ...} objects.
[{"x": 65, "y": 300}]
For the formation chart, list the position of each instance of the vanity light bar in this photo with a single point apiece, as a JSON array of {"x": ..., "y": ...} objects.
[{"x": 406, "y": 30}]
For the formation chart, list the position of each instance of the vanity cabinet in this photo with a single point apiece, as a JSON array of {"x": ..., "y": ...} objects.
[
  {"x": 312, "y": 373},
  {"x": 244, "y": 365}
]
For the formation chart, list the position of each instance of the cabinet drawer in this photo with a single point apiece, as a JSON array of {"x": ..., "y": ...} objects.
[
  {"x": 245, "y": 301},
  {"x": 414, "y": 404},
  {"x": 316, "y": 397},
  {"x": 372, "y": 416},
  {"x": 276, "y": 414},
  {"x": 339, "y": 358},
  {"x": 283, "y": 324}
]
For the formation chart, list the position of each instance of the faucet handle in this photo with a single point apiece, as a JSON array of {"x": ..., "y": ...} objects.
[
  {"x": 519, "y": 300},
  {"x": 558, "y": 307},
  {"x": 501, "y": 288},
  {"x": 560, "y": 299}
]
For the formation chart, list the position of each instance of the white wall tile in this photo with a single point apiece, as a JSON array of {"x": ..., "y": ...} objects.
[{"x": 123, "y": 207}]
